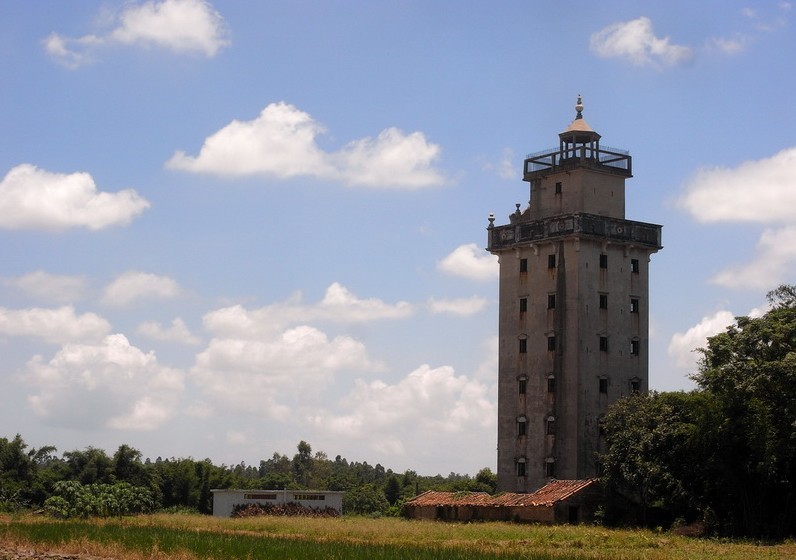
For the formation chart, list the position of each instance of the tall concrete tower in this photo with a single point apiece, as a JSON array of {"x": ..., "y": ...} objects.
[{"x": 573, "y": 325}]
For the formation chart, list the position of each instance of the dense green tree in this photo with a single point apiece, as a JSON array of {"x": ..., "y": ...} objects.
[
  {"x": 750, "y": 369},
  {"x": 727, "y": 451}
]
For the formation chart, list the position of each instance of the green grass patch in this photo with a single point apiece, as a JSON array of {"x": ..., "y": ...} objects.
[{"x": 194, "y": 536}]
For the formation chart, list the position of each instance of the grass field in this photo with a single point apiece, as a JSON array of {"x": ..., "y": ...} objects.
[{"x": 194, "y": 536}]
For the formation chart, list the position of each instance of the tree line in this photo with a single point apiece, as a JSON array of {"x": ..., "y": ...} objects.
[{"x": 91, "y": 482}]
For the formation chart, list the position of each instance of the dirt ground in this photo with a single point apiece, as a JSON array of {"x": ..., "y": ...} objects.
[{"x": 30, "y": 554}]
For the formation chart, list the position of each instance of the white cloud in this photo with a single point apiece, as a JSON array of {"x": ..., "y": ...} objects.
[
  {"x": 636, "y": 42},
  {"x": 107, "y": 384},
  {"x": 392, "y": 159},
  {"x": 183, "y": 26},
  {"x": 338, "y": 305},
  {"x": 462, "y": 307},
  {"x": 773, "y": 264},
  {"x": 682, "y": 347},
  {"x": 134, "y": 285},
  {"x": 281, "y": 143},
  {"x": 258, "y": 375},
  {"x": 737, "y": 44},
  {"x": 418, "y": 415},
  {"x": 57, "y": 325},
  {"x": 32, "y": 198},
  {"x": 755, "y": 191},
  {"x": 178, "y": 332},
  {"x": 470, "y": 261},
  {"x": 49, "y": 287}
]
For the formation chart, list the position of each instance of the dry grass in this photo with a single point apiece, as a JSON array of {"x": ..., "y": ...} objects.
[{"x": 185, "y": 537}]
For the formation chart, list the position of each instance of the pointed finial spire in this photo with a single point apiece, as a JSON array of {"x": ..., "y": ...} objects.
[{"x": 579, "y": 108}]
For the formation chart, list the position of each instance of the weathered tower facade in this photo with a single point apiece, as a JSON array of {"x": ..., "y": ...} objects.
[{"x": 573, "y": 324}]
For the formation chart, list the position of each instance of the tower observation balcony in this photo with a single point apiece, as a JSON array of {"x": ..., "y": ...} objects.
[{"x": 572, "y": 156}]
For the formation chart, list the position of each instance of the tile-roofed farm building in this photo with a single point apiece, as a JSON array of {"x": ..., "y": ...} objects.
[{"x": 559, "y": 501}]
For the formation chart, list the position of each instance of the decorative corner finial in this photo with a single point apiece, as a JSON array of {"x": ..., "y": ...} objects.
[{"x": 579, "y": 108}]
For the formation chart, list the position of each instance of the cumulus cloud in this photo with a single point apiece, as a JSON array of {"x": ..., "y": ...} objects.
[
  {"x": 774, "y": 262},
  {"x": 57, "y": 325},
  {"x": 282, "y": 143},
  {"x": 257, "y": 375},
  {"x": 338, "y": 305},
  {"x": 636, "y": 42},
  {"x": 182, "y": 26},
  {"x": 177, "y": 332},
  {"x": 32, "y": 198},
  {"x": 49, "y": 287},
  {"x": 470, "y": 261},
  {"x": 134, "y": 285},
  {"x": 683, "y": 345},
  {"x": 430, "y": 405},
  {"x": 105, "y": 384},
  {"x": 461, "y": 307},
  {"x": 755, "y": 191}
]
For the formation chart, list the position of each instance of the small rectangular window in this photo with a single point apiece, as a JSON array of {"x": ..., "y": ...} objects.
[
  {"x": 523, "y": 265},
  {"x": 522, "y": 386},
  {"x": 634, "y": 266},
  {"x": 550, "y": 469},
  {"x": 603, "y": 385},
  {"x": 635, "y": 347},
  {"x": 520, "y": 468},
  {"x": 551, "y": 427},
  {"x": 551, "y": 384},
  {"x": 635, "y": 386},
  {"x": 603, "y": 261},
  {"x": 523, "y": 305},
  {"x": 603, "y": 344},
  {"x": 523, "y": 346},
  {"x": 603, "y": 301},
  {"x": 551, "y": 301},
  {"x": 634, "y": 305},
  {"x": 551, "y": 261},
  {"x": 558, "y": 187},
  {"x": 551, "y": 343},
  {"x": 521, "y": 428}
]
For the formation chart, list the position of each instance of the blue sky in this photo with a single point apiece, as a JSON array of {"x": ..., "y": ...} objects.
[{"x": 226, "y": 227}]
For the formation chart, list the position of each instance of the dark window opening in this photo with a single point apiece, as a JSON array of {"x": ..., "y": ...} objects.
[
  {"x": 523, "y": 305},
  {"x": 551, "y": 384},
  {"x": 521, "y": 468},
  {"x": 603, "y": 261},
  {"x": 573, "y": 515},
  {"x": 551, "y": 426},
  {"x": 523, "y": 346},
  {"x": 521, "y": 431},
  {"x": 635, "y": 386},
  {"x": 633, "y": 305},
  {"x": 603, "y": 301},
  {"x": 558, "y": 188},
  {"x": 603, "y": 344},
  {"x": 551, "y": 343},
  {"x": 523, "y": 265},
  {"x": 549, "y": 469},
  {"x": 522, "y": 386},
  {"x": 635, "y": 347},
  {"x": 634, "y": 266},
  {"x": 551, "y": 301},
  {"x": 551, "y": 261},
  {"x": 603, "y": 385}
]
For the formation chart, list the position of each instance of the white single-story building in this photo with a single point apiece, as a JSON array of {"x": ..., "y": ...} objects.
[{"x": 225, "y": 500}]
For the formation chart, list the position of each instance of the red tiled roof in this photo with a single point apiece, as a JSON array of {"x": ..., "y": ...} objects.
[
  {"x": 434, "y": 498},
  {"x": 546, "y": 496}
]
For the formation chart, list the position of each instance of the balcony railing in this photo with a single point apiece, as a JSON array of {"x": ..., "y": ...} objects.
[{"x": 582, "y": 225}]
